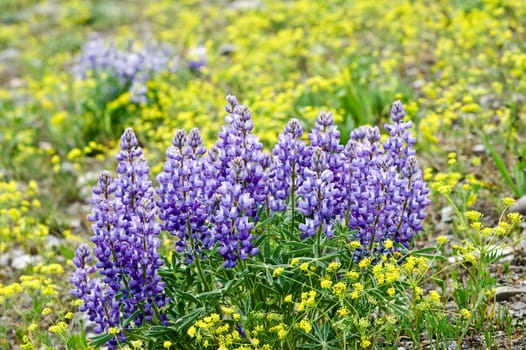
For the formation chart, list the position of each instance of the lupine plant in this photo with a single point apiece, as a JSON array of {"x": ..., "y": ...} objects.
[
  {"x": 128, "y": 289},
  {"x": 130, "y": 68},
  {"x": 304, "y": 246},
  {"x": 112, "y": 78}
]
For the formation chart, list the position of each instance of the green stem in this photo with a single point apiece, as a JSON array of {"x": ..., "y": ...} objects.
[
  {"x": 373, "y": 237},
  {"x": 456, "y": 210},
  {"x": 318, "y": 243},
  {"x": 200, "y": 271},
  {"x": 480, "y": 298},
  {"x": 267, "y": 238},
  {"x": 293, "y": 198},
  {"x": 206, "y": 286}
]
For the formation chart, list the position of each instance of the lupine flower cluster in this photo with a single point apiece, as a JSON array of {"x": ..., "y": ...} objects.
[
  {"x": 182, "y": 203},
  {"x": 290, "y": 158},
  {"x": 374, "y": 188},
  {"x": 132, "y": 67},
  {"x": 125, "y": 228},
  {"x": 213, "y": 199}
]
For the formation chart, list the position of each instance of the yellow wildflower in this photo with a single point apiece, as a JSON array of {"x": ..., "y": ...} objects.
[
  {"x": 442, "y": 240},
  {"x": 465, "y": 313},
  {"x": 365, "y": 343},
  {"x": 334, "y": 266},
  {"x": 278, "y": 271},
  {"x": 364, "y": 263},
  {"x": 515, "y": 218},
  {"x": 326, "y": 283},
  {"x": 339, "y": 288},
  {"x": 305, "y": 325},
  {"x": 473, "y": 215},
  {"x": 508, "y": 201},
  {"x": 343, "y": 311},
  {"x": 191, "y": 331}
]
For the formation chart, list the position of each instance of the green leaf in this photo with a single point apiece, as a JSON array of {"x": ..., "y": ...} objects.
[
  {"x": 184, "y": 322},
  {"x": 100, "y": 340},
  {"x": 429, "y": 253},
  {"x": 499, "y": 162},
  {"x": 181, "y": 294}
]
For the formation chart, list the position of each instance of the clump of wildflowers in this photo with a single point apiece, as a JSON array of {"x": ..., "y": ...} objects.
[
  {"x": 385, "y": 194},
  {"x": 125, "y": 247},
  {"x": 211, "y": 202},
  {"x": 132, "y": 67},
  {"x": 373, "y": 187}
]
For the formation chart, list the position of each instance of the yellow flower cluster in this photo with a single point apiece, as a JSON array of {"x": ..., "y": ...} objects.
[
  {"x": 17, "y": 225},
  {"x": 58, "y": 327},
  {"x": 308, "y": 300},
  {"x": 30, "y": 284},
  {"x": 415, "y": 264},
  {"x": 389, "y": 272}
]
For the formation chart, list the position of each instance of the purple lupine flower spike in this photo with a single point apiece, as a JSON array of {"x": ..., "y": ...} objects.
[
  {"x": 290, "y": 158},
  {"x": 183, "y": 206},
  {"x": 124, "y": 229},
  {"x": 318, "y": 196},
  {"x": 236, "y": 170},
  {"x": 231, "y": 222}
]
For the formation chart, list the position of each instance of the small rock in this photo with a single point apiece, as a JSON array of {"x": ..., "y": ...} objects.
[
  {"x": 53, "y": 241},
  {"x": 479, "y": 149},
  {"x": 412, "y": 72},
  {"x": 7, "y": 257},
  {"x": 519, "y": 98},
  {"x": 418, "y": 83},
  {"x": 68, "y": 167},
  {"x": 44, "y": 145},
  {"x": 519, "y": 206},
  {"x": 507, "y": 258},
  {"x": 454, "y": 259},
  {"x": 446, "y": 215},
  {"x": 75, "y": 209},
  {"x": 506, "y": 292},
  {"x": 9, "y": 54},
  {"x": 227, "y": 49},
  {"x": 74, "y": 223},
  {"x": 518, "y": 306},
  {"x": 4, "y": 259},
  {"x": 16, "y": 83},
  {"x": 244, "y": 5},
  {"x": 21, "y": 261}
]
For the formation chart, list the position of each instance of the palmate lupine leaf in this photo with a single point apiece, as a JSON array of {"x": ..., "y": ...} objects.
[{"x": 322, "y": 338}]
